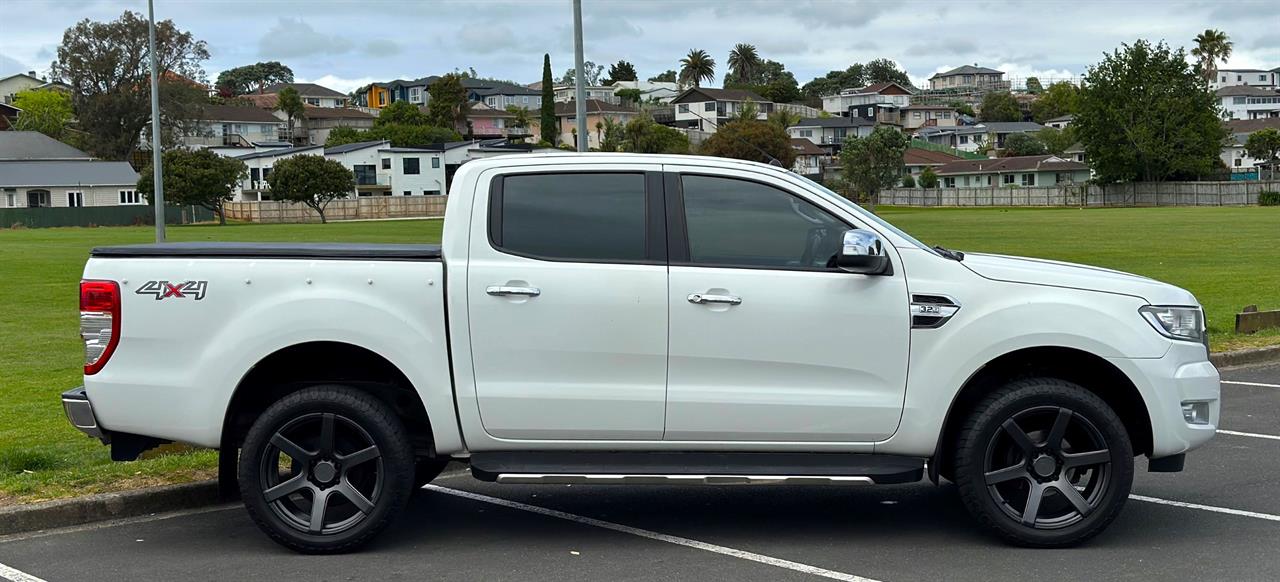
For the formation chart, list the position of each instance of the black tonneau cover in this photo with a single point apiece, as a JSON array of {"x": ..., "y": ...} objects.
[{"x": 345, "y": 251}]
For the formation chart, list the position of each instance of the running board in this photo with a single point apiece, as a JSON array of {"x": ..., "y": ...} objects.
[{"x": 626, "y": 467}]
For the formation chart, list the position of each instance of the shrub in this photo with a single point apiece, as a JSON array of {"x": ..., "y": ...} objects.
[
  {"x": 908, "y": 181},
  {"x": 1269, "y": 198}
]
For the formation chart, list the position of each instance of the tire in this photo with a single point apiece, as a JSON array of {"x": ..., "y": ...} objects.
[
  {"x": 1050, "y": 441},
  {"x": 335, "y": 442},
  {"x": 428, "y": 468}
]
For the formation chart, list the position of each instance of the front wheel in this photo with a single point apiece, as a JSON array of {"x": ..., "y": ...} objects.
[
  {"x": 1044, "y": 462},
  {"x": 325, "y": 469}
]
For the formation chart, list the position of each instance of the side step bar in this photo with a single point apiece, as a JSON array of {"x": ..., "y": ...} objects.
[{"x": 668, "y": 468}]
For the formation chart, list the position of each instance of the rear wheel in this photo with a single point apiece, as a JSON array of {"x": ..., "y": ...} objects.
[
  {"x": 325, "y": 469},
  {"x": 1044, "y": 463}
]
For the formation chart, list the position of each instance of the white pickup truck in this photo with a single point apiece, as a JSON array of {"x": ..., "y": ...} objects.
[{"x": 609, "y": 318}]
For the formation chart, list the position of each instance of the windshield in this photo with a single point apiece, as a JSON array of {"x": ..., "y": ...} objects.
[{"x": 860, "y": 211}]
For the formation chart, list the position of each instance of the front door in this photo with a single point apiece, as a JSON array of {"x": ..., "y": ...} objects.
[
  {"x": 566, "y": 291},
  {"x": 769, "y": 343}
]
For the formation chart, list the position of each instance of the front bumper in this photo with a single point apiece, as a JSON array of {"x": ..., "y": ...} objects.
[
  {"x": 75, "y": 403},
  {"x": 1183, "y": 376}
]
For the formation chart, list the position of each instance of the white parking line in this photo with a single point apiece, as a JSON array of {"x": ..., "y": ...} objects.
[
  {"x": 1226, "y": 510},
  {"x": 1250, "y": 384},
  {"x": 16, "y": 575},
  {"x": 644, "y": 533},
  {"x": 1250, "y": 434}
]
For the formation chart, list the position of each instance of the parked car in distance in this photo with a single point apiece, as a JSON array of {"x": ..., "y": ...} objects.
[{"x": 614, "y": 318}]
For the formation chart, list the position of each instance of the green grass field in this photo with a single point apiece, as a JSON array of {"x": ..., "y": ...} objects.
[{"x": 1229, "y": 257}]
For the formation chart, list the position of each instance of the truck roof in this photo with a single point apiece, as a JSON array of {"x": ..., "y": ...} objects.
[{"x": 539, "y": 159}]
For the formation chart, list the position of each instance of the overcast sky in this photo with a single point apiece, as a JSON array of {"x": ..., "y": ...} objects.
[{"x": 345, "y": 44}]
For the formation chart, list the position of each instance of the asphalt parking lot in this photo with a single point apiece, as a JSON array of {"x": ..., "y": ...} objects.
[{"x": 1218, "y": 520}]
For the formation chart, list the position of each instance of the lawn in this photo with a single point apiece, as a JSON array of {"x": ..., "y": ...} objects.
[{"x": 1228, "y": 257}]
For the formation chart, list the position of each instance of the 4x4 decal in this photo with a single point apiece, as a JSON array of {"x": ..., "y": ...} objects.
[{"x": 164, "y": 289}]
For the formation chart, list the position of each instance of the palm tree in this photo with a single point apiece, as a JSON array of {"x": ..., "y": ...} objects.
[
  {"x": 1211, "y": 46},
  {"x": 744, "y": 63},
  {"x": 697, "y": 67},
  {"x": 519, "y": 116},
  {"x": 784, "y": 118}
]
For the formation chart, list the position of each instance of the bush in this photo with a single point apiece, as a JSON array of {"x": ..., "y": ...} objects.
[
  {"x": 908, "y": 181},
  {"x": 1269, "y": 198}
]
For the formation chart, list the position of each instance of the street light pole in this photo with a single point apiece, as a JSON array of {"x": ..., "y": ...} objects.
[
  {"x": 158, "y": 173},
  {"x": 580, "y": 92}
]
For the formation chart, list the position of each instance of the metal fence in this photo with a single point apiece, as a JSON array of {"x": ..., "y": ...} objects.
[
  {"x": 1131, "y": 194},
  {"x": 99, "y": 216},
  {"x": 365, "y": 208}
]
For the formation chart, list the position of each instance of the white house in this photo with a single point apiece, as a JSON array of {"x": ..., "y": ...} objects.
[
  {"x": 13, "y": 84},
  {"x": 660, "y": 91},
  {"x": 229, "y": 125},
  {"x": 413, "y": 171},
  {"x": 1245, "y": 77},
  {"x": 809, "y": 157},
  {"x": 879, "y": 95},
  {"x": 1060, "y": 122},
  {"x": 917, "y": 116},
  {"x": 830, "y": 132},
  {"x": 38, "y": 171},
  {"x": 566, "y": 93},
  {"x": 1249, "y": 102},
  {"x": 705, "y": 109},
  {"x": 972, "y": 138},
  {"x": 1233, "y": 154},
  {"x": 312, "y": 94},
  {"x": 254, "y": 187}
]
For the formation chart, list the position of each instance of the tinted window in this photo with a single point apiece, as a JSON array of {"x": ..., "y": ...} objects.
[
  {"x": 410, "y": 165},
  {"x": 746, "y": 224},
  {"x": 574, "y": 216}
]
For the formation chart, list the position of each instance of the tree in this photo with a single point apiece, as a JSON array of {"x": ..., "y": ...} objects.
[
  {"x": 744, "y": 65},
  {"x": 962, "y": 108},
  {"x": 770, "y": 80},
  {"x": 614, "y": 135},
  {"x": 1144, "y": 113},
  {"x": 784, "y": 118},
  {"x": 1023, "y": 144},
  {"x": 590, "y": 74},
  {"x": 696, "y": 67},
  {"x": 928, "y": 178},
  {"x": 1056, "y": 141},
  {"x": 999, "y": 106},
  {"x": 1211, "y": 46},
  {"x": 1033, "y": 85},
  {"x": 409, "y": 136},
  {"x": 401, "y": 113},
  {"x": 834, "y": 81},
  {"x": 344, "y": 135},
  {"x": 628, "y": 95},
  {"x": 908, "y": 181},
  {"x": 44, "y": 110},
  {"x": 1263, "y": 145},
  {"x": 758, "y": 141},
  {"x": 252, "y": 78},
  {"x": 519, "y": 118},
  {"x": 1058, "y": 100},
  {"x": 620, "y": 71},
  {"x": 644, "y": 136},
  {"x": 290, "y": 103},
  {"x": 196, "y": 178},
  {"x": 311, "y": 180},
  {"x": 107, "y": 66},
  {"x": 448, "y": 105},
  {"x": 885, "y": 71},
  {"x": 874, "y": 162},
  {"x": 547, "y": 123},
  {"x": 749, "y": 111},
  {"x": 668, "y": 76}
]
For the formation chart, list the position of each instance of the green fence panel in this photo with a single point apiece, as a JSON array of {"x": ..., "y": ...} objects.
[{"x": 99, "y": 216}]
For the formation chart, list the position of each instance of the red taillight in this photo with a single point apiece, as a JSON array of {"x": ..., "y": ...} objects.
[{"x": 99, "y": 322}]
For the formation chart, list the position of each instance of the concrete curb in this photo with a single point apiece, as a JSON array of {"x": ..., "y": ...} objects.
[
  {"x": 1245, "y": 357},
  {"x": 104, "y": 506}
]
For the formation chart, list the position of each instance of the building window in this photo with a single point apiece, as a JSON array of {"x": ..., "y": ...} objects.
[
  {"x": 946, "y": 115},
  {"x": 806, "y": 133},
  {"x": 1238, "y": 160},
  {"x": 917, "y": 114},
  {"x": 10, "y": 195},
  {"x": 1262, "y": 78},
  {"x": 435, "y": 162},
  {"x": 410, "y": 165},
  {"x": 1006, "y": 179},
  {"x": 382, "y": 98},
  {"x": 130, "y": 197},
  {"x": 964, "y": 139},
  {"x": 1239, "y": 78},
  {"x": 415, "y": 94},
  {"x": 684, "y": 108},
  {"x": 1028, "y": 179},
  {"x": 386, "y": 163},
  {"x": 709, "y": 106},
  {"x": 949, "y": 182},
  {"x": 526, "y": 99},
  {"x": 313, "y": 101},
  {"x": 75, "y": 199}
]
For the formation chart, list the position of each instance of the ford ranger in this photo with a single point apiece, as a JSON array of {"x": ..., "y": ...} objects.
[{"x": 613, "y": 318}]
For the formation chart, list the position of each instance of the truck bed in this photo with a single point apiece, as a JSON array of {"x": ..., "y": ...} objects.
[{"x": 236, "y": 250}]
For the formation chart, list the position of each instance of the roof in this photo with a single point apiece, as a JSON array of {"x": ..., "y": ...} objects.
[
  {"x": 805, "y": 147},
  {"x": 1245, "y": 126},
  {"x": 1243, "y": 71},
  {"x": 933, "y": 107},
  {"x": 33, "y": 145},
  {"x": 483, "y": 110},
  {"x": 1015, "y": 164},
  {"x": 48, "y": 173},
  {"x": 1061, "y": 119},
  {"x": 880, "y": 88},
  {"x": 923, "y": 157},
  {"x": 409, "y": 150},
  {"x": 351, "y": 147},
  {"x": 1246, "y": 91},
  {"x": 700, "y": 94},
  {"x": 967, "y": 70},
  {"x": 310, "y": 112},
  {"x": 984, "y": 127},
  {"x": 834, "y": 121},
  {"x": 593, "y": 106},
  {"x": 272, "y": 153},
  {"x": 212, "y": 112},
  {"x": 478, "y": 86},
  {"x": 32, "y": 77},
  {"x": 267, "y": 101},
  {"x": 305, "y": 90}
]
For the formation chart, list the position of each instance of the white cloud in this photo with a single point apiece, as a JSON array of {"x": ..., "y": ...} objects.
[
  {"x": 294, "y": 38},
  {"x": 342, "y": 84}
]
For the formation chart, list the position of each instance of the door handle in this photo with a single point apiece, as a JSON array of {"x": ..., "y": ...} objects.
[
  {"x": 504, "y": 290},
  {"x": 700, "y": 299}
]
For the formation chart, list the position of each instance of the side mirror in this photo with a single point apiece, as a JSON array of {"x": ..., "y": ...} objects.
[{"x": 862, "y": 252}]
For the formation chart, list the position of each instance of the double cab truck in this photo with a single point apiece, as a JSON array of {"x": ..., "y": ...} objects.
[{"x": 634, "y": 319}]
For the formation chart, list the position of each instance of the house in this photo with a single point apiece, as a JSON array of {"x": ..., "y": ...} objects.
[
  {"x": 37, "y": 171},
  {"x": 13, "y": 84},
  {"x": 879, "y": 102},
  {"x": 830, "y": 132},
  {"x": 1249, "y": 102},
  {"x": 809, "y": 157},
  {"x": 915, "y": 160},
  {"x": 495, "y": 94},
  {"x": 650, "y": 91},
  {"x": 563, "y": 93},
  {"x": 916, "y": 116},
  {"x": 1233, "y": 154},
  {"x": 970, "y": 77},
  {"x": 413, "y": 171},
  {"x": 1245, "y": 77},
  {"x": 705, "y": 109},
  {"x": 311, "y": 94},
  {"x": 1020, "y": 171},
  {"x": 1059, "y": 122},
  {"x": 230, "y": 125},
  {"x": 254, "y": 187},
  {"x": 317, "y": 122},
  {"x": 490, "y": 123},
  {"x": 987, "y": 135}
]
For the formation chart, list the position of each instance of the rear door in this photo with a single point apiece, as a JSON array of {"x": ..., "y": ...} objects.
[{"x": 567, "y": 285}]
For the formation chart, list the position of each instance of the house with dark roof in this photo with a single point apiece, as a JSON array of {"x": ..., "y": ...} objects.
[
  {"x": 39, "y": 171},
  {"x": 878, "y": 102},
  {"x": 987, "y": 135},
  {"x": 915, "y": 160},
  {"x": 829, "y": 133},
  {"x": 916, "y": 116},
  {"x": 705, "y": 108},
  {"x": 312, "y": 94},
  {"x": 1060, "y": 122},
  {"x": 1019, "y": 171},
  {"x": 317, "y": 122},
  {"x": 232, "y": 126},
  {"x": 1249, "y": 102},
  {"x": 809, "y": 157},
  {"x": 496, "y": 94},
  {"x": 970, "y": 76},
  {"x": 1233, "y": 154}
]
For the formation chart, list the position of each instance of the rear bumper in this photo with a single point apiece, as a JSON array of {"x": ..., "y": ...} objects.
[{"x": 75, "y": 402}]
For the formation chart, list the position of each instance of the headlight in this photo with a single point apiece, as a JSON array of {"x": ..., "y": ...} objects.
[{"x": 1180, "y": 323}]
